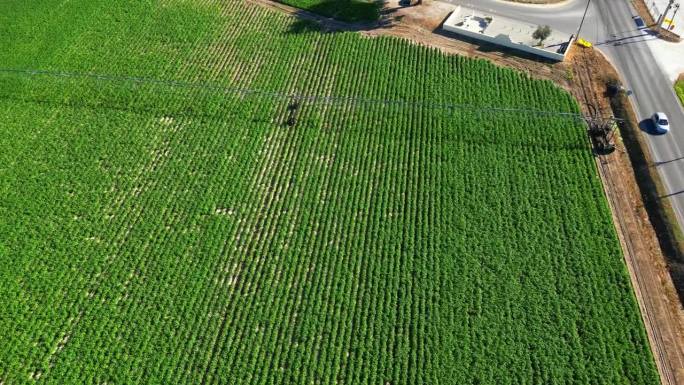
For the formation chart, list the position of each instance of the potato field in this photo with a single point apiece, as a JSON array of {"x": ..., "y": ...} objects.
[{"x": 210, "y": 192}]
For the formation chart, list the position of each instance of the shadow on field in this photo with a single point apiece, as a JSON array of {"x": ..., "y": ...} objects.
[
  {"x": 145, "y": 110},
  {"x": 228, "y": 112},
  {"x": 331, "y": 16}
]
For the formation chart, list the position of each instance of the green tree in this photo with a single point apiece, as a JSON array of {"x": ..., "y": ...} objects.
[{"x": 542, "y": 33}]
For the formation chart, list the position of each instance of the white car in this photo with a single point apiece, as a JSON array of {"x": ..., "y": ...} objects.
[{"x": 661, "y": 123}]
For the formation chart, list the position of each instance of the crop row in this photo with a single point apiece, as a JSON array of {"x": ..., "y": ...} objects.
[{"x": 408, "y": 233}]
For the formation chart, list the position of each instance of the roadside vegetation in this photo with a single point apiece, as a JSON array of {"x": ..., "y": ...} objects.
[
  {"x": 679, "y": 87},
  {"x": 244, "y": 200}
]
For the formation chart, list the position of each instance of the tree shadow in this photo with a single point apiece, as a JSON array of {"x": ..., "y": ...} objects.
[
  {"x": 351, "y": 11},
  {"x": 326, "y": 17},
  {"x": 303, "y": 25},
  {"x": 332, "y": 16}
]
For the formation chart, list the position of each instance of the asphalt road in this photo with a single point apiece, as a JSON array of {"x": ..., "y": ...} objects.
[
  {"x": 652, "y": 91},
  {"x": 611, "y": 27}
]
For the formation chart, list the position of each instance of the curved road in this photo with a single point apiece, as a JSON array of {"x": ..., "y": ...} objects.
[
  {"x": 610, "y": 25},
  {"x": 652, "y": 91}
]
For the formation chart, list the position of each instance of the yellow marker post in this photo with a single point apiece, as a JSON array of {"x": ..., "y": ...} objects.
[{"x": 584, "y": 43}]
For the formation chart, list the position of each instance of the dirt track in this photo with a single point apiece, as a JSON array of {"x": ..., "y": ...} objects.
[
  {"x": 660, "y": 306},
  {"x": 653, "y": 286}
]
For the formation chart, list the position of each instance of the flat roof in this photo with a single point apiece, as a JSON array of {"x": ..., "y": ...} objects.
[{"x": 496, "y": 26}]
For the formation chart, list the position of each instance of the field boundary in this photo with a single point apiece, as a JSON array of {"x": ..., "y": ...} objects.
[
  {"x": 623, "y": 183},
  {"x": 640, "y": 274}
]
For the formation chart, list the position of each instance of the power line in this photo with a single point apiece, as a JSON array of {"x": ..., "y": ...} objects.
[
  {"x": 302, "y": 98},
  {"x": 584, "y": 16}
]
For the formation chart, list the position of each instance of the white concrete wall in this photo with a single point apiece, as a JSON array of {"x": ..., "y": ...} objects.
[{"x": 503, "y": 40}]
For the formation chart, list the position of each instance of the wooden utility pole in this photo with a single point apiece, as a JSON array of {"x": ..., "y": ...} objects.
[
  {"x": 662, "y": 17},
  {"x": 674, "y": 14},
  {"x": 583, "y": 17}
]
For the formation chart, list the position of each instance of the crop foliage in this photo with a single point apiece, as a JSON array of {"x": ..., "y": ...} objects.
[{"x": 267, "y": 204}]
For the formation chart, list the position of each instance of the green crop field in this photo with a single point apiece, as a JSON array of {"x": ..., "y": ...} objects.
[{"x": 170, "y": 213}]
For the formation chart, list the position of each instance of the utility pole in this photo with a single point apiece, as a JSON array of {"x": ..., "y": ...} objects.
[
  {"x": 584, "y": 16},
  {"x": 662, "y": 17},
  {"x": 676, "y": 8}
]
